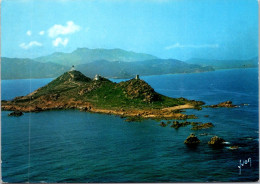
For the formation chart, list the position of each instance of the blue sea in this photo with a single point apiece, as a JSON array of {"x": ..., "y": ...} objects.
[{"x": 73, "y": 146}]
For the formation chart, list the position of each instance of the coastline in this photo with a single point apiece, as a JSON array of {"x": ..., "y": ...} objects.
[{"x": 164, "y": 113}]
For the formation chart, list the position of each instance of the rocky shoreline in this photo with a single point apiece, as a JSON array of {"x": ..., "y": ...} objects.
[
  {"x": 165, "y": 113},
  {"x": 87, "y": 107}
]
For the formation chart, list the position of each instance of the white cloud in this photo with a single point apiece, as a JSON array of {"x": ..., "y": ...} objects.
[
  {"x": 177, "y": 45},
  {"x": 41, "y": 33},
  {"x": 29, "y": 45},
  {"x": 29, "y": 33},
  {"x": 57, "y": 29},
  {"x": 59, "y": 41}
]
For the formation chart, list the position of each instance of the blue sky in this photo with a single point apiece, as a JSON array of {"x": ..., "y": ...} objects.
[{"x": 181, "y": 29}]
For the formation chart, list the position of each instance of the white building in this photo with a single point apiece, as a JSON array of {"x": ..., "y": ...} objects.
[
  {"x": 72, "y": 68},
  {"x": 97, "y": 77}
]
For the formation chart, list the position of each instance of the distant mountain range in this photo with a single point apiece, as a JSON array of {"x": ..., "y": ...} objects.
[
  {"x": 85, "y": 55},
  {"x": 120, "y": 69},
  {"x": 15, "y": 68},
  {"x": 111, "y": 63},
  {"x": 225, "y": 64}
]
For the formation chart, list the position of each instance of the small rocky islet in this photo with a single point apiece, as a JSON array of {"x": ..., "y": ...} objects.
[
  {"x": 215, "y": 141},
  {"x": 192, "y": 139},
  {"x": 227, "y": 104}
]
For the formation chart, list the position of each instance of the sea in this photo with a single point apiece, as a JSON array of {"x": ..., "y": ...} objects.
[{"x": 74, "y": 146}]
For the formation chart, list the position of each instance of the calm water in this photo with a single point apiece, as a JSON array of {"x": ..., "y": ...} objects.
[{"x": 73, "y": 146}]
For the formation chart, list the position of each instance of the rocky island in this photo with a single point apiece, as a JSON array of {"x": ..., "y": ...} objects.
[{"x": 73, "y": 90}]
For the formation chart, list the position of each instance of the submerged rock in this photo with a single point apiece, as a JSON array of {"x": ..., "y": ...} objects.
[
  {"x": 216, "y": 141},
  {"x": 133, "y": 118},
  {"x": 15, "y": 113},
  {"x": 163, "y": 124},
  {"x": 192, "y": 139},
  {"x": 177, "y": 124},
  {"x": 195, "y": 123},
  {"x": 202, "y": 126}
]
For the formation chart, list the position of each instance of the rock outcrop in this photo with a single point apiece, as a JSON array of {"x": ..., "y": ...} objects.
[
  {"x": 15, "y": 113},
  {"x": 216, "y": 141},
  {"x": 191, "y": 140},
  {"x": 202, "y": 126},
  {"x": 177, "y": 124},
  {"x": 227, "y": 104},
  {"x": 163, "y": 124}
]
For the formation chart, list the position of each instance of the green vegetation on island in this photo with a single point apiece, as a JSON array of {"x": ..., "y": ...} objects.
[{"x": 73, "y": 90}]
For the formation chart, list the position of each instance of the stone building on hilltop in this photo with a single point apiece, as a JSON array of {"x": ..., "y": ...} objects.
[{"x": 97, "y": 77}]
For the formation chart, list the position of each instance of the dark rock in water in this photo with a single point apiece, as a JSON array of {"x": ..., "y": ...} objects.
[
  {"x": 216, "y": 141},
  {"x": 223, "y": 104},
  {"x": 168, "y": 122},
  {"x": 202, "y": 126},
  {"x": 206, "y": 116},
  {"x": 195, "y": 123},
  {"x": 192, "y": 139},
  {"x": 163, "y": 124},
  {"x": 185, "y": 123},
  {"x": 177, "y": 124},
  {"x": 15, "y": 113},
  {"x": 134, "y": 119}
]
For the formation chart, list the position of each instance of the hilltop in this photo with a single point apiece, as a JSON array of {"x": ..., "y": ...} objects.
[{"x": 73, "y": 90}]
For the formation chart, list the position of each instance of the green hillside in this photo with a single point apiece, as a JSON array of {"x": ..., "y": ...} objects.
[{"x": 74, "y": 90}]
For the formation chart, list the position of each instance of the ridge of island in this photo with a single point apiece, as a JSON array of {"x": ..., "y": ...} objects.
[{"x": 73, "y": 90}]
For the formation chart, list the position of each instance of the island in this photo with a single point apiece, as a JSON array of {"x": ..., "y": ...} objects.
[{"x": 132, "y": 99}]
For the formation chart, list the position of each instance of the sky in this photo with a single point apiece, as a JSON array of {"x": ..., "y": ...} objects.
[{"x": 179, "y": 29}]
